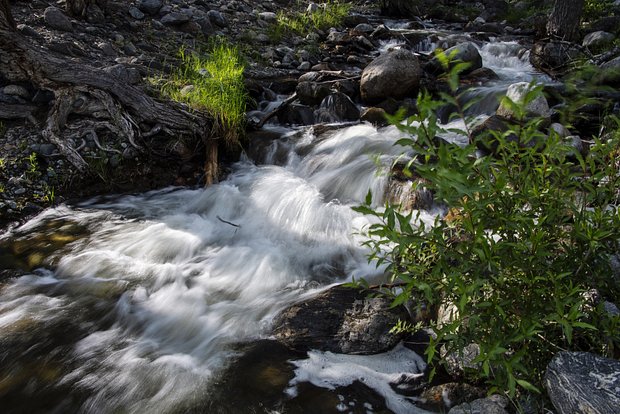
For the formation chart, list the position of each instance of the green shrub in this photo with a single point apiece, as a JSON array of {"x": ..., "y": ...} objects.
[
  {"x": 595, "y": 9},
  {"x": 214, "y": 83},
  {"x": 329, "y": 14},
  {"x": 528, "y": 232}
]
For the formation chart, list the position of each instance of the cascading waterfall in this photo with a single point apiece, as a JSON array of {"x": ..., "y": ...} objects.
[{"x": 158, "y": 286}]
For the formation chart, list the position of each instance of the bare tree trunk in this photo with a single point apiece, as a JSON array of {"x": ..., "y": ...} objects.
[
  {"x": 211, "y": 164},
  {"x": 564, "y": 19},
  {"x": 89, "y": 101}
]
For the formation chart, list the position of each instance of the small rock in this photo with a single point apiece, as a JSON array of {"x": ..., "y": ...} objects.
[
  {"x": 217, "y": 18},
  {"x": 56, "y": 19},
  {"x": 130, "y": 49},
  {"x": 304, "y": 66},
  {"x": 364, "y": 28},
  {"x": 312, "y": 93},
  {"x": 517, "y": 93},
  {"x": 107, "y": 48},
  {"x": 442, "y": 397},
  {"x": 466, "y": 52},
  {"x": 175, "y": 19},
  {"x": 47, "y": 149},
  {"x": 136, "y": 13},
  {"x": 19, "y": 191},
  {"x": 186, "y": 90},
  {"x": 150, "y": 6},
  {"x": 376, "y": 116},
  {"x": 494, "y": 404},
  {"x": 312, "y": 7},
  {"x": 268, "y": 16},
  {"x": 559, "y": 129}
]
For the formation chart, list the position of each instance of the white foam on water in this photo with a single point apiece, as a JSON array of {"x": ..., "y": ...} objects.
[{"x": 380, "y": 372}]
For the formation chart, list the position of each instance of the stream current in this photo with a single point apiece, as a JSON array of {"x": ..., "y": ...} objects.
[{"x": 136, "y": 303}]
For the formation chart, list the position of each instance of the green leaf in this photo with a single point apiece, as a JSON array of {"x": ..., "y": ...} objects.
[{"x": 528, "y": 386}]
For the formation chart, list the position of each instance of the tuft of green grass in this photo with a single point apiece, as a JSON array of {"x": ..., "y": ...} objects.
[
  {"x": 213, "y": 82},
  {"x": 329, "y": 14}
]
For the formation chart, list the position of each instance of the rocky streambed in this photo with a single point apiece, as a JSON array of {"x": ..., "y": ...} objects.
[{"x": 217, "y": 299}]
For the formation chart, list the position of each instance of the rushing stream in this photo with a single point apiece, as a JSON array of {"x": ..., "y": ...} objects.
[{"x": 136, "y": 303}]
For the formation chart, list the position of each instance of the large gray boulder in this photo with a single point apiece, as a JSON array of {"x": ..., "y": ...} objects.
[
  {"x": 394, "y": 74},
  {"x": 583, "y": 383},
  {"x": 342, "y": 320}
]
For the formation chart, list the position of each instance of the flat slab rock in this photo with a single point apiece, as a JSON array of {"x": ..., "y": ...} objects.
[
  {"x": 583, "y": 383},
  {"x": 341, "y": 320}
]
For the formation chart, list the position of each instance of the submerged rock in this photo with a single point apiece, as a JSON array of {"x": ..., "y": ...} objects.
[
  {"x": 583, "y": 383},
  {"x": 342, "y": 320},
  {"x": 337, "y": 107}
]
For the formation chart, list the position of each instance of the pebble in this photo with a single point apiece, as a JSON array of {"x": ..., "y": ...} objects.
[{"x": 136, "y": 13}]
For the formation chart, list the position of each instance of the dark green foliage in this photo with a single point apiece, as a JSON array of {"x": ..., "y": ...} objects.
[{"x": 528, "y": 232}]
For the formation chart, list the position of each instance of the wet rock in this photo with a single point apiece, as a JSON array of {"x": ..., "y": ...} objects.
[
  {"x": 342, "y": 320},
  {"x": 494, "y": 404},
  {"x": 150, "y": 6},
  {"x": 374, "y": 115},
  {"x": 337, "y": 107},
  {"x": 312, "y": 93},
  {"x": 364, "y": 28},
  {"x": 583, "y": 383},
  {"x": 598, "y": 40},
  {"x": 517, "y": 92},
  {"x": 466, "y": 52},
  {"x": 442, "y": 397},
  {"x": 394, "y": 74},
  {"x": 296, "y": 114},
  {"x": 56, "y": 19}
]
